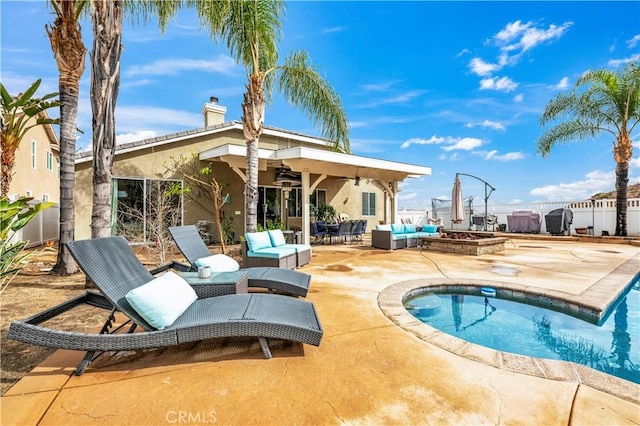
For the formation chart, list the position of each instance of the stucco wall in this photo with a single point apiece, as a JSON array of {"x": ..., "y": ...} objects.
[{"x": 39, "y": 180}]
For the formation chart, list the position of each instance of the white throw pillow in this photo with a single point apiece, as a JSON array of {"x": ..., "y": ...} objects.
[
  {"x": 219, "y": 263},
  {"x": 161, "y": 301}
]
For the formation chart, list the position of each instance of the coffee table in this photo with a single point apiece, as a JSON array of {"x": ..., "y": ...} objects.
[{"x": 218, "y": 284}]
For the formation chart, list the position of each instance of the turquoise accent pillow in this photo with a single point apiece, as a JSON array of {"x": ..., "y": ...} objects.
[
  {"x": 397, "y": 228},
  {"x": 429, "y": 228},
  {"x": 162, "y": 300},
  {"x": 385, "y": 227},
  {"x": 258, "y": 240},
  {"x": 277, "y": 237},
  {"x": 219, "y": 263},
  {"x": 409, "y": 228}
]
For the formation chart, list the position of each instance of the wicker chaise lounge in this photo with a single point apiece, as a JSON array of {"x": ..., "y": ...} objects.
[
  {"x": 280, "y": 280},
  {"x": 113, "y": 267}
]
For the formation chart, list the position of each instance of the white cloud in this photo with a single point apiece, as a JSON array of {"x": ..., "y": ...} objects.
[
  {"x": 518, "y": 98},
  {"x": 633, "y": 41},
  {"x": 624, "y": 61},
  {"x": 136, "y": 136},
  {"x": 562, "y": 85},
  {"x": 594, "y": 182},
  {"x": 465, "y": 144},
  {"x": 397, "y": 99},
  {"x": 519, "y": 36},
  {"x": 223, "y": 64},
  {"x": 493, "y": 155},
  {"x": 131, "y": 118},
  {"x": 451, "y": 143},
  {"x": 463, "y": 52},
  {"x": 487, "y": 123},
  {"x": 408, "y": 196},
  {"x": 333, "y": 30},
  {"x": 433, "y": 140},
  {"x": 482, "y": 68},
  {"x": 379, "y": 87},
  {"x": 504, "y": 84}
]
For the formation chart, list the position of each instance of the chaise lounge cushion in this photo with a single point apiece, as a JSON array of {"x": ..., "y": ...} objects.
[
  {"x": 219, "y": 263},
  {"x": 162, "y": 300},
  {"x": 277, "y": 237},
  {"x": 258, "y": 240},
  {"x": 272, "y": 252}
]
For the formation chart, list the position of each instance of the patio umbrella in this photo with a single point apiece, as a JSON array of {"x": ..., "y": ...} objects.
[{"x": 457, "y": 205}]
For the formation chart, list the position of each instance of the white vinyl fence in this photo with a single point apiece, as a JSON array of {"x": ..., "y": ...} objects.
[
  {"x": 601, "y": 214},
  {"x": 42, "y": 228}
]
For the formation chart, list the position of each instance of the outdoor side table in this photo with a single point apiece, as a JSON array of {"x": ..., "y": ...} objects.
[{"x": 218, "y": 284}]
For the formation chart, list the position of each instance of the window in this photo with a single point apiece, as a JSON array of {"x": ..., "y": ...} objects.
[
  {"x": 294, "y": 203},
  {"x": 49, "y": 161},
  {"x": 368, "y": 204},
  {"x": 34, "y": 149},
  {"x": 143, "y": 208}
]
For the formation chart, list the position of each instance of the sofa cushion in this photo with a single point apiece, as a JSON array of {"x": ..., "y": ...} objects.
[
  {"x": 297, "y": 247},
  {"x": 277, "y": 238},
  {"x": 385, "y": 227},
  {"x": 272, "y": 252},
  {"x": 430, "y": 228},
  {"x": 219, "y": 263},
  {"x": 162, "y": 300},
  {"x": 258, "y": 240},
  {"x": 397, "y": 228},
  {"x": 397, "y": 237},
  {"x": 409, "y": 228}
]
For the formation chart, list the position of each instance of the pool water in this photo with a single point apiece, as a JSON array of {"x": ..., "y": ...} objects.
[{"x": 612, "y": 347}]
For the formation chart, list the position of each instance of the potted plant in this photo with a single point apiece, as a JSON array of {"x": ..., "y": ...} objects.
[{"x": 326, "y": 212}]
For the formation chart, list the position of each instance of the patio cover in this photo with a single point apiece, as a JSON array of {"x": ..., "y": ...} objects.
[{"x": 307, "y": 161}]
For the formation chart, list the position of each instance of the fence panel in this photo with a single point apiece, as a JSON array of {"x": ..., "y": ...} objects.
[{"x": 601, "y": 214}]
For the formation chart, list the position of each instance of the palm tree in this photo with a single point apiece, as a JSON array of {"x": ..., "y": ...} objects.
[
  {"x": 601, "y": 101},
  {"x": 106, "y": 16},
  {"x": 17, "y": 114},
  {"x": 65, "y": 36},
  {"x": 252, "y": 29}
]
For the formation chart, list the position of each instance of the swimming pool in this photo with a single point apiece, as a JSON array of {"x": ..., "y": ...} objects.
[{"x": 612, "y": 347}]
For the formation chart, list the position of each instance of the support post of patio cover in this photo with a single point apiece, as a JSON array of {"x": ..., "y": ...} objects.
[
  {"x": 306, "y": 210},
  {"x": 486, "y": 195}
]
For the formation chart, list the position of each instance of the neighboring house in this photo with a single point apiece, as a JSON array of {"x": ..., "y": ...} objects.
[
  {"x": 360, "y": 187},
  {"x": 36, "y": 172}
]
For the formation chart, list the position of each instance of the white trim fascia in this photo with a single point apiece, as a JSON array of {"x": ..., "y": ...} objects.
[
  {"x": 351, "y": 160},
  {"x": 295, "y": 136},
  {"x": 235, "y": 150}
]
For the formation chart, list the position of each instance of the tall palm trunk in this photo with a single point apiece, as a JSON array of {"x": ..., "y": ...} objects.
[
  {"x": 8, "y": 158},
  {"x": 105, "y": 81},
  {"x": 69, "y": 51},
  {"x": 622, "y": 179},
  {"x": 253, "y": 122}
]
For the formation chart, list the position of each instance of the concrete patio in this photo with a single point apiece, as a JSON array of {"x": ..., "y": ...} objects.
[{"x": 368, "y": 369}]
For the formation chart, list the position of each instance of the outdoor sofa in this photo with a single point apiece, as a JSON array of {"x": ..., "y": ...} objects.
[
  {"x": 402, "y": 235},
  {"x": 270, "y": 248},
  {"x": 166, "y": 309},
  {"x": 197, "y": 253}
]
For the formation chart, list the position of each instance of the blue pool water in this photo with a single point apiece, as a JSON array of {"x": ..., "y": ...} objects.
[{"x": 612, "y": 347}]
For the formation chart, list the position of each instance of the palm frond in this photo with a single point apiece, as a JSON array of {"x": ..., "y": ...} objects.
[
  {"x": 304, "y": 87},
  {"x": 564, "y": 132}
]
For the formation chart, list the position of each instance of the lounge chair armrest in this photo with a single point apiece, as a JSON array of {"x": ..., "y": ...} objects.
[{"x": 171, "y": 265}]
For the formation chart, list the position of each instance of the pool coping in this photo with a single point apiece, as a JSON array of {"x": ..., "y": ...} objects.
[{"x": 390, "y": 301}]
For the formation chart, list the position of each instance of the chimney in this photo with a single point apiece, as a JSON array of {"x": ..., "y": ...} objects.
[{"x": 213, "y": 113}]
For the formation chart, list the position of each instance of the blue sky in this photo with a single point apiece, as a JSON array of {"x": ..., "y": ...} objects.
[{"x": 456, "y": 86}]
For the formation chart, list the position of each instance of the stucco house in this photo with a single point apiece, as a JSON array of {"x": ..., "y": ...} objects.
[
  {"x": 360, "y": 187},
  {"x": 36, "y": 170}
]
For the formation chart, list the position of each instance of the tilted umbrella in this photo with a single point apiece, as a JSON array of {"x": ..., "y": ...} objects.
[{"x": 457, "y": 205}]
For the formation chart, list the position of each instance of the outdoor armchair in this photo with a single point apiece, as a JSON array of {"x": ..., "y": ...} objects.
[{"x": 279, "y": 280}]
